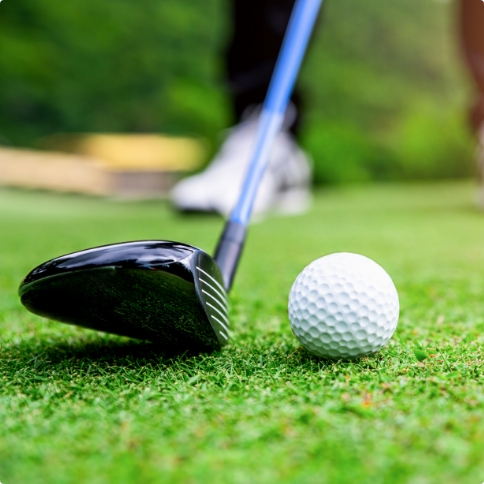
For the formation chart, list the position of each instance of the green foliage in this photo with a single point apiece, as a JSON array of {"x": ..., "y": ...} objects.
[
  {"x": 431, "y": 143},
  {"x": 383, "y": 82},
  {"x": 109, "y": 66},
  {"x": 78, "y": 406},
  {"x": 343, "y": 154}
]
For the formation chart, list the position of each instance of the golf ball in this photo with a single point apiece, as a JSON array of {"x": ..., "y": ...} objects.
[{"x": 343, "y": 305}]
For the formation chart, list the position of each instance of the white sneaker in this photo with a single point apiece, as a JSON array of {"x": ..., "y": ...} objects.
[{"x": 285, "y": 187}]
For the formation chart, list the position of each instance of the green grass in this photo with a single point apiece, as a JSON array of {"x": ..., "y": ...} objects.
[{"x": 78, "y": 406}]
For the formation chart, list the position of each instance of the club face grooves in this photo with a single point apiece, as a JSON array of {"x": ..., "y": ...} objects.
[
  {"x": 147, "y": 290},
  {"x": 213, "y": 297}
]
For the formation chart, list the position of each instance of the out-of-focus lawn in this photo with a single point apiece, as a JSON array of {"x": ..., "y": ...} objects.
[{"x": 78, "y": 406}]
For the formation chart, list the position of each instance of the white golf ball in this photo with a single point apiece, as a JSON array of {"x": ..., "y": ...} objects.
[{"x": 343, "y": 306}]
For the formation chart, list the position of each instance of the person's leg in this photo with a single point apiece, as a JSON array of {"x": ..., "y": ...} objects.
[
  {"x": 258, "y": 31},
  {"x": 472, "y": 38},
  {"x": 472, "y": 34}
]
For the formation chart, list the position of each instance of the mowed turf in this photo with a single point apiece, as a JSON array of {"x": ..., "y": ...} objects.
[{"x": 78, "y": 406}]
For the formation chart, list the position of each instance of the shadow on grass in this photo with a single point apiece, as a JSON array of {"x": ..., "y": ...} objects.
[
  {"x": 98, "y": 354},
  {"x": 112, "y": 351},
  {"x": 105, "y": 352},
  {"x": 367, "y": 362}
]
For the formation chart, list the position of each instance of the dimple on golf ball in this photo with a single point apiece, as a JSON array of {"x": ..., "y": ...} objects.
[{"x": 343, "y": 305}]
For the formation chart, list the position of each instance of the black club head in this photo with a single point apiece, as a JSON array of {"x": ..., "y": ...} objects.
[{"x": 170, "y": 293}]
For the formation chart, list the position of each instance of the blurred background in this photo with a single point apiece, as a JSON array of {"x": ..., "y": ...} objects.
[{"x": 385, "y": 88}]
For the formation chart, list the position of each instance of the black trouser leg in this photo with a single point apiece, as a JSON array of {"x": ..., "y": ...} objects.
[{"x": 258, "y": 31}]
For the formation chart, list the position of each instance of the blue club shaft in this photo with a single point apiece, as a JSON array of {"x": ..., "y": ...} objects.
[
  {"x": 280, "y": 89},
  {"x": 270, "y": 121}
]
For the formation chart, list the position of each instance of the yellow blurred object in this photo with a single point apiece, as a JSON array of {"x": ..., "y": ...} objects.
[
  {"x": 123, "y": 166},
  {"x": 52, "y": 171},
  {"x": 133, "y": 151}
]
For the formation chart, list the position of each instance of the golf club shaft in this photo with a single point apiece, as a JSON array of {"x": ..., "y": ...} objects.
[{"x": 271, "y": 118}]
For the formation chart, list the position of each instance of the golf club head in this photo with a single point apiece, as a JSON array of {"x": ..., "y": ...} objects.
[{"x": 166, "y": 292}]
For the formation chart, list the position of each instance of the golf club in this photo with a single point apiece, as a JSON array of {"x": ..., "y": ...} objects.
[{"x": 168, "y": 292}]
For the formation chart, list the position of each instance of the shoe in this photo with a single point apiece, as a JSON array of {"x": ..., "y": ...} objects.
[{"x": 285, "y": 186}]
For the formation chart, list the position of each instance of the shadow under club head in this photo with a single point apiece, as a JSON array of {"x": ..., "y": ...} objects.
[{"x": 166, "y": 292}]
